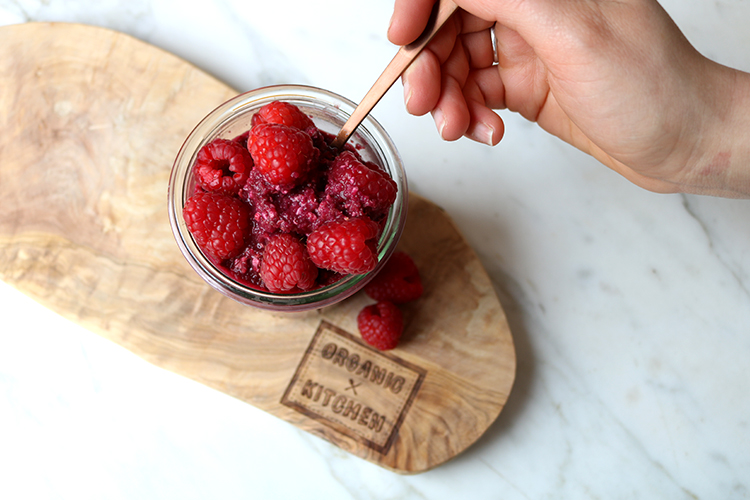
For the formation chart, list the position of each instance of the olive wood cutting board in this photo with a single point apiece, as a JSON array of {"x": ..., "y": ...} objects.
[{"x": 90, "y": 123}]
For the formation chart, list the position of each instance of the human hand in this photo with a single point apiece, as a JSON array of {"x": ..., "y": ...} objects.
[{"x": 617, "y": 80}]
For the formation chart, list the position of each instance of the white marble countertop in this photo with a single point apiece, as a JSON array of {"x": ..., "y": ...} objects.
[{"x": 630, "y": 310}]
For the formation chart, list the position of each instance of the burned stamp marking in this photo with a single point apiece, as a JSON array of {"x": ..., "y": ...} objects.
[{"x": 356, "y": 390}]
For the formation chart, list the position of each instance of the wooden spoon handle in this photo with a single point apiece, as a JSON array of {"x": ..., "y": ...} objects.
[{"x": 403, "y": 58}]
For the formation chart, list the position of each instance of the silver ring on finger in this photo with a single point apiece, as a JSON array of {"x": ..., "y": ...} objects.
[{"x": 493, "y": 40}]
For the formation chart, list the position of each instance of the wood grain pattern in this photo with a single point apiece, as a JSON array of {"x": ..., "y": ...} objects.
[{"x": 91, "y": 121}]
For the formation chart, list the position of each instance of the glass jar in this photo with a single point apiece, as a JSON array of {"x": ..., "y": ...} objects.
[{"x": 329, "y": 112}]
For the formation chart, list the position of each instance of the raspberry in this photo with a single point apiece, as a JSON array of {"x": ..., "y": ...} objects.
[
  {"x": 346, "y": 247},
  {"x": 283, "y": 113},
  {"x": 286, "y": 265},
  {"x": 223, "y": 166},
  {"x": 359, "y": 188},
  {"x": 397, "y": 282},
  {"x": 284, "y": 155},
  {"x": 218, "y": 222},
  {"x": 381, "y": 325}
]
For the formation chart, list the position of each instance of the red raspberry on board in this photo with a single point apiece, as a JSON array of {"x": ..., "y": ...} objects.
[
  {"x": 381, "y": 325},
  {"x": 286, "y": 266},
  {"x": 346, "y": 247},
  {"x": 397, "y": 282},
  {"x": 283, "y": 155},
  {"x": 219, "y": 223},
  {"x": 359, "y": 188},
  {"x": 283, "y": 113},
  {"x": 223, "y": 166}
]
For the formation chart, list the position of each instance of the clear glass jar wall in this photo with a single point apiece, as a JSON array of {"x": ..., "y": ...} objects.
[{"x": 329, "y": 112}]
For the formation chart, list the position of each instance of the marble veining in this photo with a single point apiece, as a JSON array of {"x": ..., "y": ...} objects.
[{"x": 630, "y": 310}]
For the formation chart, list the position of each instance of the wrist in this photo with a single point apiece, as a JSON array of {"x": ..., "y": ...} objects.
[{"x": 721, "y": 165}]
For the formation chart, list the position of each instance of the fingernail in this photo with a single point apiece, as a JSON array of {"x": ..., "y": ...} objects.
[
  {"x": 484, "y": 134},
  {"x": 407, "y": 92},
  {"x": 437, "y": 115}
]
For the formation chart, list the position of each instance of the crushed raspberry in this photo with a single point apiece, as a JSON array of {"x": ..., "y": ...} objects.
[
  {"x": 328, "y": 211},
  {"x": 283, "y": 113},
  {"x": 246, "y": 266},
  {"x": 260, "y": 195},
  {"x": 359, "y": 188},
  {"x": 397, "y": 282},
  {"x": 284, "y": 155},
  {"x": 298, "y": 210},
  {"x": 346, "y": 247},
  {"x": 223, "y": 166},
  {"x": 286, "y": 266},
  {"x": 295, "y": 211},
  {"x": 381, "y": 325},
  {"x": 219, "y": 223}
]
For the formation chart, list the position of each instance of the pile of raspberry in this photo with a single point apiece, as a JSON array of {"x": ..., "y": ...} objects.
[
  {"x": 278, "y": 208},
  {"x": 382, "y": 324}
]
